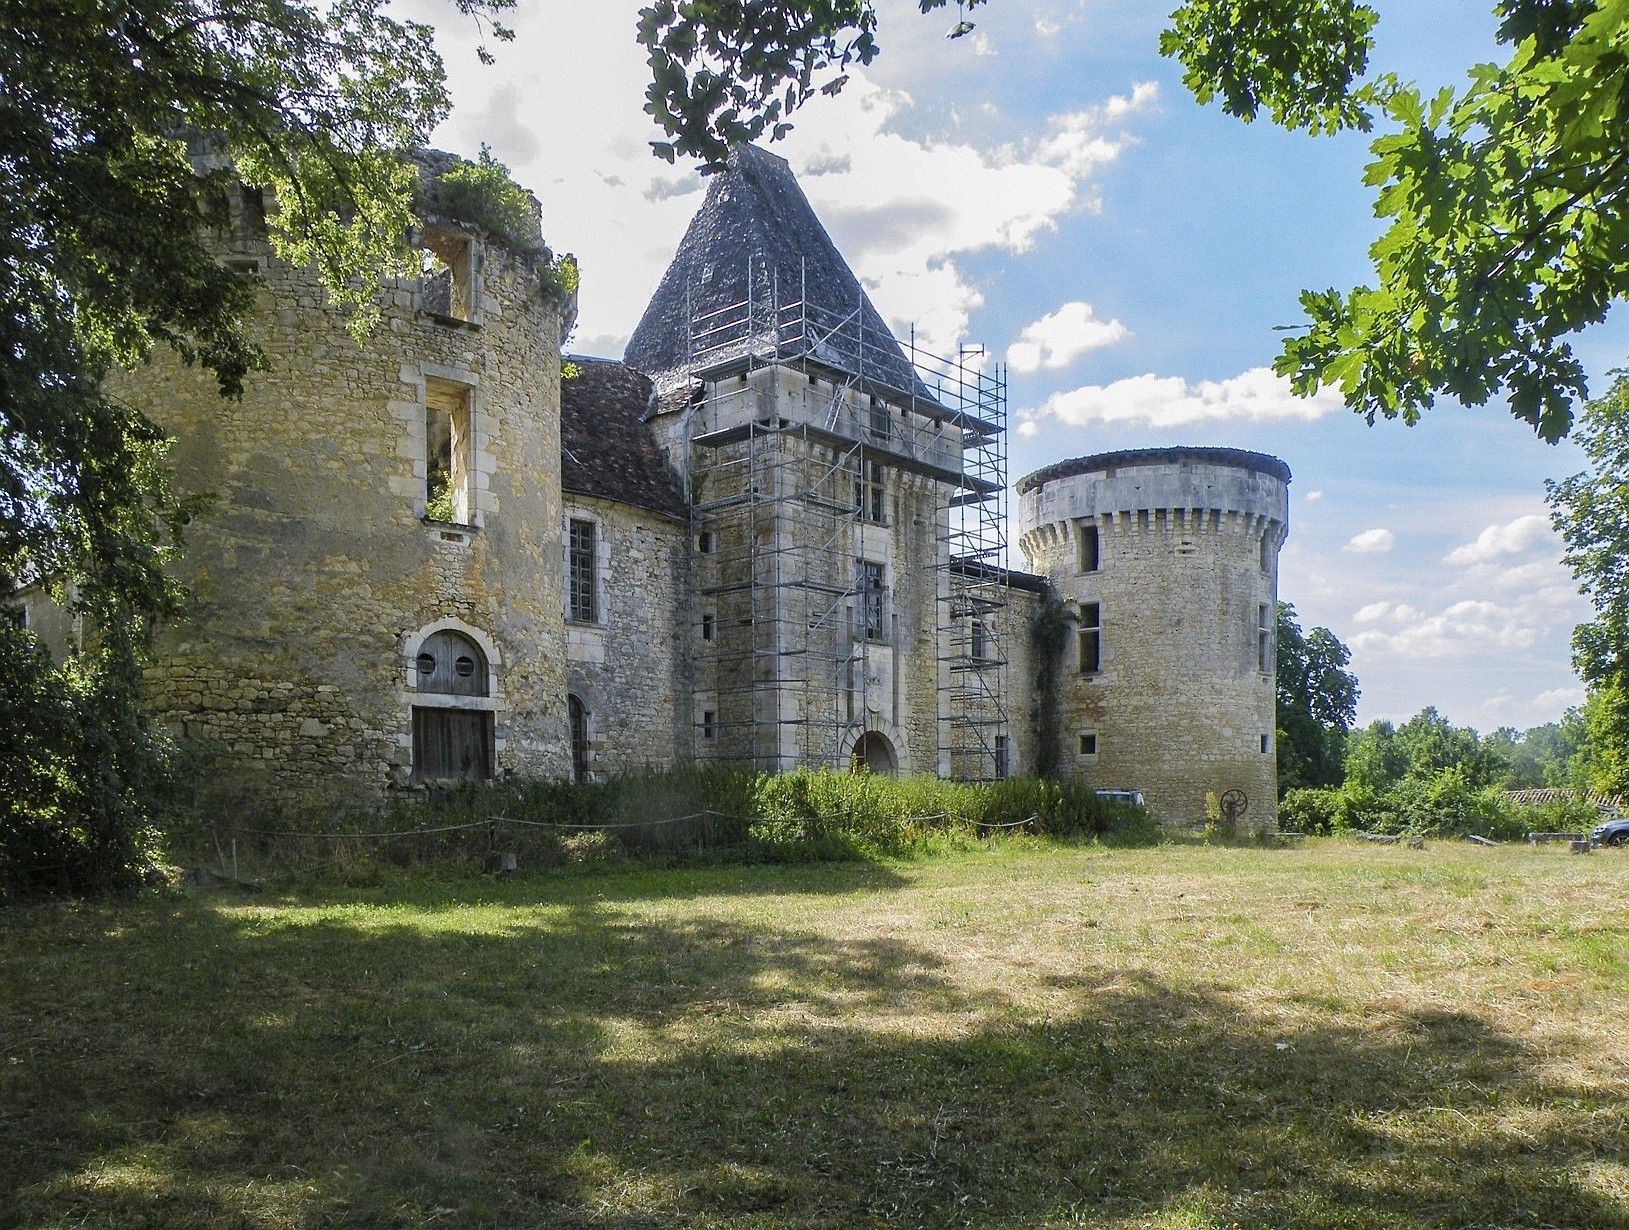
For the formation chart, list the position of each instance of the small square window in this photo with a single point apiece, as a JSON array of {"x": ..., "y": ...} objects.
[
  {"x": 704, "y": 542},
  {"x": 1088, "y": 744}
]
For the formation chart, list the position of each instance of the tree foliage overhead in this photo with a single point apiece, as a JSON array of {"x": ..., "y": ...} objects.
[
  {"x": 110, "y": 110},
  {"x": 1506, "y": 201},
  {"x": 1317, "y": 703}
]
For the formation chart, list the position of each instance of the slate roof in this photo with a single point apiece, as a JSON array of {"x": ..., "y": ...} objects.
[
  {"x": 755, "y": 215},
  {"x": 606, "y": 448}
]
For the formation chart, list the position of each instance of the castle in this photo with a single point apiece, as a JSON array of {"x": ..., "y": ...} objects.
[{"x": 772, "y": 535}]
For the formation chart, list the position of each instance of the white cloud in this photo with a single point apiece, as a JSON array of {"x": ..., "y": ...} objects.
[
  {"x": 1371, "y": 542},
  {"x": 1060, "y": 337},
  {"x": 1373, "y": 612},
  {"x": 1170, "y": 401},
  {"x": 907, "y": 210},
  {"x": 1080, "y": 142},
  {"x": 1314, "y": 496},
  {"x": 1464, "y": 627},
  {"x": 1517, "y": 537},
  {"x": 1559, "y": 698}
]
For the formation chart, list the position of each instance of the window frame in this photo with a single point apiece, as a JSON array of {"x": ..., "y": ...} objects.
[
  {"x": 1090, "y": 560},
  {"x": 1090, "y": 634},
  {"x": 871, "y": 612},
  {"x": 583, "y": 604}
]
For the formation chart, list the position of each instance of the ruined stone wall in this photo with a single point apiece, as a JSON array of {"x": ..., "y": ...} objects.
[
  {"x": 630, "y": 667},
  {"x": 317, "y": 574},
  {"x": 1181, "y": 705}
]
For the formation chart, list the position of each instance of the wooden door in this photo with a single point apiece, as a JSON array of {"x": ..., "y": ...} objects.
[{"x": 451, "y": 743}]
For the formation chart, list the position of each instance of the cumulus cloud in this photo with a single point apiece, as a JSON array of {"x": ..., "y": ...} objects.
[
  {"x": 1371, "y": 542},
  {"x": 1559, "y": 698},
  {"x": 1080, "y": 142},
  {"x": 1471, "y": 625},
  {"x": 1060, "y": 337},
  {"x": 1374, "y": 611},
  {"x": 1170, "y": 401},
  {"x": 1314, "y": 496},
  {"x": 1498, "y": 542}
]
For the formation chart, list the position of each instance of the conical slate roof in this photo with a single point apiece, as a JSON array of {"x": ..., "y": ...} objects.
[{"x": 756, "y": 218}]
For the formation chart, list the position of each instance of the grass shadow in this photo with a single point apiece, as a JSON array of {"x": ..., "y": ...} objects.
[{"x": 587, "y": 1064}]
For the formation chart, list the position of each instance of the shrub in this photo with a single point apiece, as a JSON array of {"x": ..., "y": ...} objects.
[{"x": 1309, "y": 809}]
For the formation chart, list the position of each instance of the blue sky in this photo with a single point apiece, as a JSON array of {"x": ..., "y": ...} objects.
[{"x": 1047, "y": 188}]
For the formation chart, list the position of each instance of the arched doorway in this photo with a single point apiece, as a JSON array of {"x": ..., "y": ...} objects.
[
  {"x": 451, "y": 741},
  {"x": 874, "y": 754}
]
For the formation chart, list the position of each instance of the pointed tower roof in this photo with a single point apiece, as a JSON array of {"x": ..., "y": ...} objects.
[{"x": 756, "y": 238}]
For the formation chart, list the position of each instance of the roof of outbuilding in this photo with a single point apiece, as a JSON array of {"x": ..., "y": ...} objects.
[
  {"x": 606, "y": 448},
  {"x": 755, "y": 215}
]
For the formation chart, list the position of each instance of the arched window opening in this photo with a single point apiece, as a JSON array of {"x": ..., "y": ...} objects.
[
  {"x": 579, "y": 737},
  {"x": 451, "y": 664}
]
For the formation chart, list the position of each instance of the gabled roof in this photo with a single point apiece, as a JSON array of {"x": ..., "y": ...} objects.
[
  {"x": 606, "y": 448},
  {"x": 755, "y": 215}
]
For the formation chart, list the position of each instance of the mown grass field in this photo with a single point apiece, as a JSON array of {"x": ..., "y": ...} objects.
[{"x": 1034, "y": 1035}]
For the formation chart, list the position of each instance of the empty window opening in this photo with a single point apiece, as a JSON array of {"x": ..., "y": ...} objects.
[
  {"x": 1264, "y": 641},
  {"x": 1091, "y": 638},
  {"x": 578, "y": 713},
  {"x": 870, "y": 495},
  {"x": 1088, "y": 743},
  {"x": 704, "y": 542},
  {"x": 1266, "y": 743},
  {"x": 1003, "y": 756},
  {"x": 709, "y": 724},
  {"x": 1267, "y": 552},
  {"x": 447, "y": 276},
  {"x": 870, "y": 580},
  {"x": 1090, "y": 549},
  {"x": 447, "y": 451},
  {"x": 709, "y": 626},
  {"x": 582, "y": 564},
  {"x": 15, "y": 616}
]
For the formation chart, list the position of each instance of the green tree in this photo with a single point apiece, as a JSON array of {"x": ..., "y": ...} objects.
[
  {"x": 1503, "y": 199},
  {"x": 1590, "y": 511},
  {"x": 1317, "y": 702},
  {"x": 112, "y": 113}
]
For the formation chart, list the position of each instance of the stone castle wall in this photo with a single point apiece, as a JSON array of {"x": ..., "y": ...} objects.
[
  {"x": 631, "y": 667},
  {"x": 1187, "y": 569},
  {"x": 316, "y": 575}
]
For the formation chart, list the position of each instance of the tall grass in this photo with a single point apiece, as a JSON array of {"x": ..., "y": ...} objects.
[{"x": 674, "y": 815}]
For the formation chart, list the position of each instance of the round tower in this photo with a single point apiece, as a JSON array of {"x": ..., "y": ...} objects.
[{"x": 1168, "y": 560}]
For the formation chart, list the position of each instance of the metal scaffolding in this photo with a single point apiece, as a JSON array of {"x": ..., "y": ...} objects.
[{"x": 803, "y": 413}]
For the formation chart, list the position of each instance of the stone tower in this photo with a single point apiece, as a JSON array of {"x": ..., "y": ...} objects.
[
  {"x": 375, "y": 594},
  {"x": 844, "y": 492},
  {"x": 1169, "y": 559}
]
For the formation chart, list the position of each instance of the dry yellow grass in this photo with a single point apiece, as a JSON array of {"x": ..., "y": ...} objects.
[{"x": 1033, "y": 1035}]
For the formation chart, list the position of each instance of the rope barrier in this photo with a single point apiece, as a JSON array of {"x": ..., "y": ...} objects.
[{"x": 595, "y": 827}]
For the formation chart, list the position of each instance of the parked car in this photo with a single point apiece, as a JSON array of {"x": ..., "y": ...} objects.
[
  {"x": 1612, "y": 833},
  {"x": 1131, "y": 798}
]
